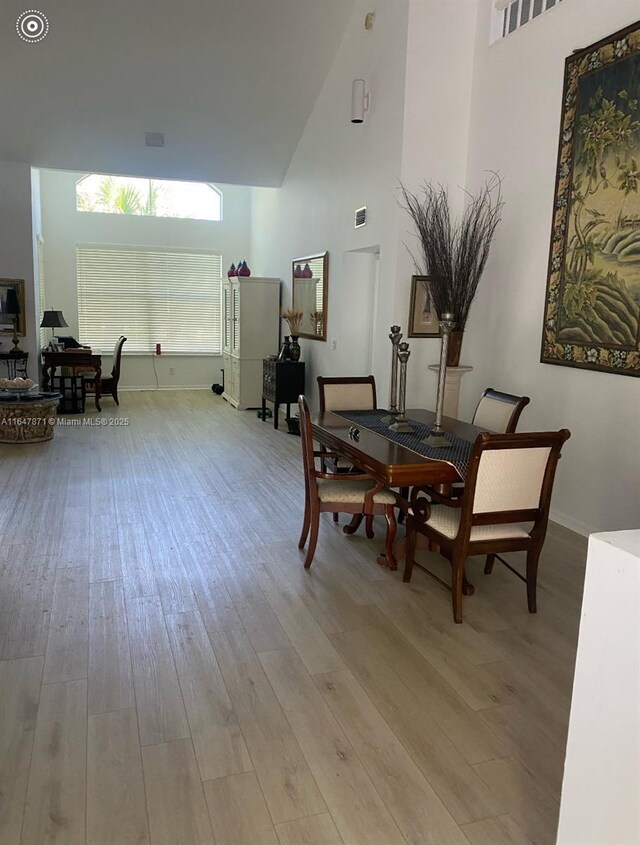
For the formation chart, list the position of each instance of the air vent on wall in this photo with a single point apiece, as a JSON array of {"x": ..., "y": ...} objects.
[
  {"x": 360, "y": 217},
  {"x": 154, "y": 139}
]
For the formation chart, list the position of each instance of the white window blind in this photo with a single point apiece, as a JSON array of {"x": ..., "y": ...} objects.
[{"x": 150, "y": 295}]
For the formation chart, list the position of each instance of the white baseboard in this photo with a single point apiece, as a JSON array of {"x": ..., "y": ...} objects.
[
  {"x": 571, "y": 523},
  {"x": 164, "y": 387}
]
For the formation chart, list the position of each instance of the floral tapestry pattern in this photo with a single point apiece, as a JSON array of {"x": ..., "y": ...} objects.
[{"x": 592, "y": 311}]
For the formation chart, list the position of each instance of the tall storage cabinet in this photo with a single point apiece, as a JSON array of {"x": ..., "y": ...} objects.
[{"x": 251, "y": 332}]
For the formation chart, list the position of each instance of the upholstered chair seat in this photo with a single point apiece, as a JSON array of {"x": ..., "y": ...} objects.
[
  {"x": 446, "y": 521},
  {"x": 346, "y": 490}
]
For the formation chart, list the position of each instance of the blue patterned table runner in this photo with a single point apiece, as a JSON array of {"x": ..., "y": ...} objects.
[{"x": 457, "y": 453}]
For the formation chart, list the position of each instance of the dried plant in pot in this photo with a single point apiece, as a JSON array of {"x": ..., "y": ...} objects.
[{"x": 453, "y": 254}]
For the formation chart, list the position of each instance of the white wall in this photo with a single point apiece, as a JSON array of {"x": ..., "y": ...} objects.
[
  {"x": 64, "y": 227},
  {"x": 418, "y": 62},
  {"x": 602, "y": 770},
  {"x": 516, "y": 101},
  {"x": 440, "y": 52},
  {"x": 16, "y": 250},
  {"x": 338, "y": 167}
]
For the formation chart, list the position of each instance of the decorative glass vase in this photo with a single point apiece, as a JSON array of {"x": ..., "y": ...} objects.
[
  {"x": 294, "y": 348},
  {"x": 285, "y": 350}
]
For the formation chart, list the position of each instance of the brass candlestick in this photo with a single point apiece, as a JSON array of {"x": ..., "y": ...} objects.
[
  {"x": 401, "y": 423},
  {"x": 394, "y": 337},
  {"x": 437, "y": 438}
]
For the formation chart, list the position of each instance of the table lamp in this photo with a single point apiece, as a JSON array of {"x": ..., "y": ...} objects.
[
  {"x": 12, "y": 307},
  {"x": 53, "y": 320}
]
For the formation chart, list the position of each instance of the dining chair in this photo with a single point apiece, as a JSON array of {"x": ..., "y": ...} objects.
[
  {"x": 504, "y": 508},
  {"x": 109, "y": 384},
  {"x": 499, "y": 412},
  {"x": 347, "y": 393},
  {"x": 354, "y": 493}
]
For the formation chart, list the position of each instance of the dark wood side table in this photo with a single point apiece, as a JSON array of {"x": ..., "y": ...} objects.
[
  {"x": 77, "y": 358},
  {"x": 16, "y": 363},
  {"x": 282, "y": 383}
]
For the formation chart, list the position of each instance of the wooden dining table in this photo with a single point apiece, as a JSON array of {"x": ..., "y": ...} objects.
[{"x": 390, "y": 463}]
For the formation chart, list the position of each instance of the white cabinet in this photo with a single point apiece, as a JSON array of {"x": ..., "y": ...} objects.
[{"x": 251, "y": 331}]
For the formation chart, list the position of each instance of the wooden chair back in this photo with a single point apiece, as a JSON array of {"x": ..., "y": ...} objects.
[
  {"x": 510, "y": 479},
  {"x": 499, "y": 411},
  {"x": 347, "y": 393},
  {"x": 306, "y": 437},
  {"x": 117, "y": 356}
]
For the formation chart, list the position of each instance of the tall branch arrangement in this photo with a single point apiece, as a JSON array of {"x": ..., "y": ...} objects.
[{"x": 454, "y": 254}]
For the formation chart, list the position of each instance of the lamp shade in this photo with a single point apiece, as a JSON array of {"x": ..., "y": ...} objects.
[
  {"x": 53, "y": 320},
  {"x": 12, "y": 302}
]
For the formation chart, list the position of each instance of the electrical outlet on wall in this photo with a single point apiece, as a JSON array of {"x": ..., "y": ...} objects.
[
  {"x": 172, "y": 371},
  {"x": 334, "y": 343}
]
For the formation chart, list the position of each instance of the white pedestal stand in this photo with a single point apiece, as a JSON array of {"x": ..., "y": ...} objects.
[{"x": 452, "y": 388}]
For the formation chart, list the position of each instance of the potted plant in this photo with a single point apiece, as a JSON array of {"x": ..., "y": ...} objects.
[{"x": 454, "y": 254}]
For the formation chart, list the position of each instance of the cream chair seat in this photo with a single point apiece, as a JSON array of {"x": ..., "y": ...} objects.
[{"x": 347, "y": 490}]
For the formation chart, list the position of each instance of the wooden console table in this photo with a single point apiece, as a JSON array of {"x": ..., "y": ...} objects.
[{"x": 282, "y": 383}]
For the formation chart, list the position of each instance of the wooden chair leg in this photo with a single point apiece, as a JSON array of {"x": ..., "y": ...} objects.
[
  {"x": 305, "y": 524},
  {"x": 457, "y": 578},
  {"x": 391, "y": 535},
  {"x": 533, "y": 555},
  {"x": 404, "y": 492},
  {"x": 488, "y": 567},
  {"x": 315, "y": 524},
  {"x": 368, "y": 527},
  {"x": 353, "y": 526},
  {"x": 409, "y": 552}
]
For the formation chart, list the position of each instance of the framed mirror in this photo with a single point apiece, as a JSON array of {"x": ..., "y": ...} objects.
[
  {"x": 12, "y": 315},
  {"x": 310, "y": 283}
]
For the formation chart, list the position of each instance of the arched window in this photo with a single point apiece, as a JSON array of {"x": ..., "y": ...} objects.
[{"x": 148, "y": 197}]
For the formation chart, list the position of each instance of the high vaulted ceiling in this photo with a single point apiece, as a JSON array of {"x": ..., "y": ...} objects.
[{"x": 231, "y": 83}]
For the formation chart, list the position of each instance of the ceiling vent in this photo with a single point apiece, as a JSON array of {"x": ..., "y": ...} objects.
[
  {"x": 154, "y": 139},
  {"x": 360, "y": 217}
]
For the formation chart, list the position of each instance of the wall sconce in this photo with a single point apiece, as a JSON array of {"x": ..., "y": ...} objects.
[{"x": 360, "y": 100}]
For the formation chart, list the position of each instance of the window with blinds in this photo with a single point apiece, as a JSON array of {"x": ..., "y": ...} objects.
[
  {"x": 150, "y": 295},
  {"x": 516, "y": 13}
]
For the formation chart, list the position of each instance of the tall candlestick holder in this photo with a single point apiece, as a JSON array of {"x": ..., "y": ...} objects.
[
  {"x": 401, "y": 424},
  {"x": 437, "y": 438},
  {"x": 395, "y": 338}
]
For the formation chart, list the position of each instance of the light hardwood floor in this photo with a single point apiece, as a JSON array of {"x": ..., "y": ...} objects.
[{"x": 170, "y": 674}]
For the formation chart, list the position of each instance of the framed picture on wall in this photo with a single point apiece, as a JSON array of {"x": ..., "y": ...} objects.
[
  {"x": 11, "y": 290},
  {"x": 423, "y": 320},
  {"x": 592, "y": 309}
]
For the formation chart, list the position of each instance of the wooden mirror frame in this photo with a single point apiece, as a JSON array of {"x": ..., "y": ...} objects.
[
  {"x": 325, "y": 292},
  {"x": 18, "y": 284}
]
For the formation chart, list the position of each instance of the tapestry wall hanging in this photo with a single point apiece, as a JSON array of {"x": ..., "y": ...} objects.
[{"x": 592, "y": 310}]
